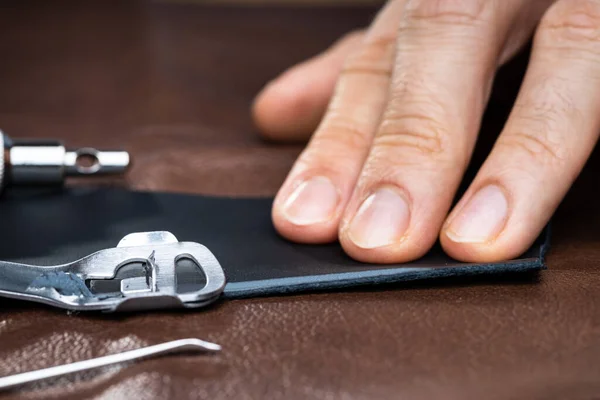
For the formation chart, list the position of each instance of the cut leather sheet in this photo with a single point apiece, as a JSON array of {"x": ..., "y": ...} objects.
[{"x": 49, "y": 228}]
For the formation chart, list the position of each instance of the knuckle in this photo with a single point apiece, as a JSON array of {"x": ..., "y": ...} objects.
[
  {"x": 342, "y": 135},
  {"x": 571, "y": 21},
  {"x": 374, "y": 57},
  {"x": 413, "y": 137},
  {"x": 453, "y": 12},
  {"x": 536, "y": 147},
  {"x": 340, "y": 143},
  {"x": 541, "y": 121}
]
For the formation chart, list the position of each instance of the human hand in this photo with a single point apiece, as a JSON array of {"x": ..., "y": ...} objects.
[{"x": 401, "y": 104}]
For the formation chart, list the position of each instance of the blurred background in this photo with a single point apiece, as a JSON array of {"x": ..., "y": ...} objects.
[{"x": 311, "y": 3}]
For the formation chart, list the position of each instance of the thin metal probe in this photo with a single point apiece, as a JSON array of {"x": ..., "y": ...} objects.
[{"x": 137, "y": 354}]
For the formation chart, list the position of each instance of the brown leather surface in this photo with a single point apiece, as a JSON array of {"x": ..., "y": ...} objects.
[{"x": 172, "y": 84}]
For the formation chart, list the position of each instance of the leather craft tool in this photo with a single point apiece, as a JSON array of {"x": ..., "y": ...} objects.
[
  {"x": 66, "y": 286},
  {"x": 48, "y": 162},
  {"x": 8, "y": 382}
]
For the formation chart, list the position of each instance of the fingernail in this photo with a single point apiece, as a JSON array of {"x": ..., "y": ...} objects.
[
  {"x": 482, "y": 218},
  {"x": 382, "y": 219},
  {"x": 314, "y": 201}
]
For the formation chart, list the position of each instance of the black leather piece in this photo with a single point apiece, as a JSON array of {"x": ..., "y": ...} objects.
[{"x": 46, "y": 228}]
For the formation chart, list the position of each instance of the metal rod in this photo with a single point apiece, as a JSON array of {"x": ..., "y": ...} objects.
[{"x": 137, "y": 354}]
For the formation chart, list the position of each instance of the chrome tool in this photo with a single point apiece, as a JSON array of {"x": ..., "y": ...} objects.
[
  {"x": 95, "y": 282},
  {"x": 48, "y": 162},
  {"x": 13, "y": 381}
]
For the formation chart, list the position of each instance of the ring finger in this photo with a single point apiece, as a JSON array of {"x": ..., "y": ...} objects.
[{"x": 547, "y": 139}]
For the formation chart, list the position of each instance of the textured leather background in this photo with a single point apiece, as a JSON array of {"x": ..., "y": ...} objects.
[{"x": 172, "y": 83}]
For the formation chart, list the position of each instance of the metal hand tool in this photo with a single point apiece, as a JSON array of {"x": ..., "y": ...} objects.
[
  {"x": 153, "y": 285},
  {"x": 47, "y": 162},
  {"x": 12, "y": 381}
]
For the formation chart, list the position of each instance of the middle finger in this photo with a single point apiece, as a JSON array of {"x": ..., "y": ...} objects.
[{"x": 446, "y": 57}]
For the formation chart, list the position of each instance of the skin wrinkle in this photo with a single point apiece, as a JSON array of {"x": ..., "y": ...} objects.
[
  {"x": 348, "y": 135},
  {"x": 369, "y": 59},
  {"x": 537, "y": 148},
  {"x": 383, "y": 72},
  {"x": 453, "y": 12},
  {"x": 410, "y": 82},
  {"x": 401, "y": 145},
  {"x": 447, "y": 53},
  {"x": 338, "y": 106},
  {"x": 413, "y": 124},
  {"x": 333, "y": 162},
  {"x": 537, "y": 125},
  {"x": 399, "y": 133},
  {"x": 584, "y": 54},
  {"x": 358, "y": 123},
  {"x": 414, "y": 44},
  {"x": 337, "y": 118},
  {"x": 417, "y": 97},
  {"x": 575, "y": 21},
  {"x": 397, "y": 172}
]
